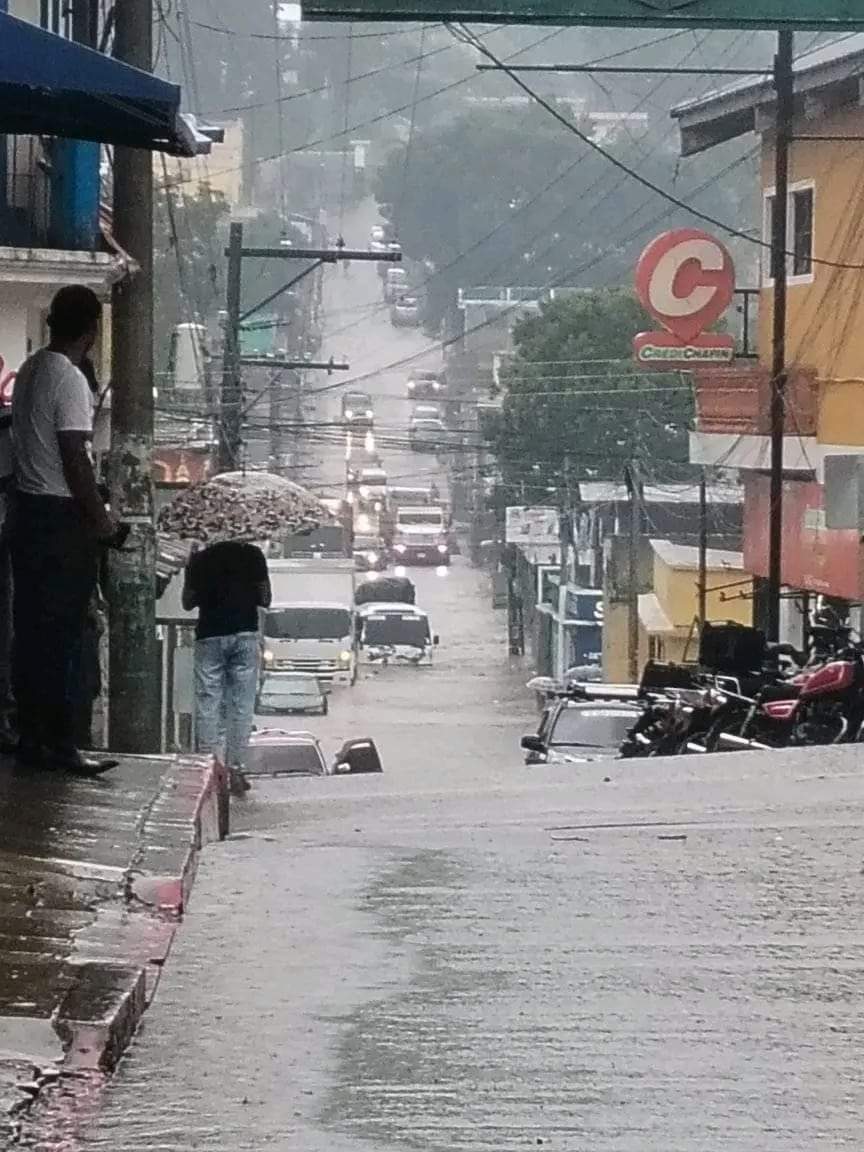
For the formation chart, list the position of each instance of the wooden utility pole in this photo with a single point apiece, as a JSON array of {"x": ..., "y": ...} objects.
[
  {"x": 784, "y": 86},
  {"x": 134, "y": 706},
  {"x": 231, "y": 402},
  {"x": 230, "y": 431},
  {"x": 703, "y": 551},
  {"x": 634, "y": 495}
]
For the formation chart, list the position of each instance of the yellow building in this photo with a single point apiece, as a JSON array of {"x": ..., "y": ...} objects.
[
  {"x": 222, "y": 174},
  {"x": 825, "y": 326},
  {"x": 668, "y": 615}
]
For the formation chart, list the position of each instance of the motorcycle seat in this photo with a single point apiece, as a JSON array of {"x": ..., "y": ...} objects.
[{"x": 780, "y": 692}]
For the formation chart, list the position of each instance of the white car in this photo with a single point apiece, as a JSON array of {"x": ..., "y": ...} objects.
[
  {"x": 292, "y": 693},
  {"x": 377, "y": 239},
  {"x": 275, "y": 752},
  {"x": 372, "y": 481},
  {"x": 427, "y": 412}
]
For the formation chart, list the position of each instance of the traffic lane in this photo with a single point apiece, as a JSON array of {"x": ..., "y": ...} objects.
[
  {"x": 440, "y": 726},
  {"x": 449, "y": 973}
]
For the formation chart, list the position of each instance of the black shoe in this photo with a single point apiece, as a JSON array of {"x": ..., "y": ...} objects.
[
  {"x": 76, "y": 763},
  {"x": 237, "y": 782}
]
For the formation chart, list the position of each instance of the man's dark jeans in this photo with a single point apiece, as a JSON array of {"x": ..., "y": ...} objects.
[{"x": 54, "y": 564}]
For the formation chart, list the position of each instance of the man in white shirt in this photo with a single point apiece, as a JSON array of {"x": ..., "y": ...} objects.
[{"x": 60, "y": 523}]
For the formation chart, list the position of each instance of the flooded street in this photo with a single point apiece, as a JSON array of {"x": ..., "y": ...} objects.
[{"x": 468, "y": 953}]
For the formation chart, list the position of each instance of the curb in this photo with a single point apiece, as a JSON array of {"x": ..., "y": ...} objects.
[{"x": 101, "y": 1010}]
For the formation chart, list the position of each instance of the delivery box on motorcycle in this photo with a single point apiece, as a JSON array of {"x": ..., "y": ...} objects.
[{"x": 732, "y": 649}]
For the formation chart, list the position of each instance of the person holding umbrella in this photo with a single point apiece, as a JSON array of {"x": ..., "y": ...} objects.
[{"x": 227, "y": 582}]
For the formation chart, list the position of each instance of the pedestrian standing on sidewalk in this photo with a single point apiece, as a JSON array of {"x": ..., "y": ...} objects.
[
  {"x": 227, "y": 582},
  {"x": 60, "y": 524}
]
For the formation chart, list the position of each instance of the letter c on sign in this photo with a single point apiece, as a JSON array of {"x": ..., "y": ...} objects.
[{"x": 685, "y": 279}]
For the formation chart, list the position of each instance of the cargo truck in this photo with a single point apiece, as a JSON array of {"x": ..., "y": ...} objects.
[{"x": 310, "y": 625}]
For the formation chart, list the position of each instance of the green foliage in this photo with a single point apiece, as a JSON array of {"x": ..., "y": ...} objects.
[
  {"x": 574, "y": 394},
  {"x": 506, "y": 196}
]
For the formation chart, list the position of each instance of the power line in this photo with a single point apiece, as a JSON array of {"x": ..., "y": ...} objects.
[{"x": 467, "y": 37}]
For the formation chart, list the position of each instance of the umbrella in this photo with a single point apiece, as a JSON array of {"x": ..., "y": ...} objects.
[{"x": 242, "y": 506}]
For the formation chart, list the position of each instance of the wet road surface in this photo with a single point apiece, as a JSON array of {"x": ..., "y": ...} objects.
[{"x": 465, "y": 953}]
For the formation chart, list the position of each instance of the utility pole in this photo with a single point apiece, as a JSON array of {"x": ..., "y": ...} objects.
[
  {"x": 634, "y": 495},
  {"x": 230, "y": 438},
  {"x": 231, "y": 415},
  {"x": 565, "y": 539},
  {"x": 703, "y": 551},
  {"x": 784, "y": 86},
  {"x": 134, "y": 705}
]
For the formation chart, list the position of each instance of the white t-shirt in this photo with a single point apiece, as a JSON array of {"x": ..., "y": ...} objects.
[{"x": 51, "y": 395}]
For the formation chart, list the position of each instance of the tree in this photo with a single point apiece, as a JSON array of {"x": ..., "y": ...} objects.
[
  {"x": 506, "y": 196},
  {"x": 575, "y": 399}
]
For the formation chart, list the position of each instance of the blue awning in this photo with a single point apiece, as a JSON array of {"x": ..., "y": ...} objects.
[{"x": 50, "y": 86}]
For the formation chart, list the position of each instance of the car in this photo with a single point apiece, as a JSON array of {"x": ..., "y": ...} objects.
[
  {"x": 370, "y": 554},
  {"x": 357, "y": 409},
  {"x": 424, "y": 384},
  {"x": 405, "y": 312},
  {"x": 395, "y": 283},
  {"x": 427, "y": 412},
  {"x": 372, "y": 481},
  {"x": 384, "y": 266},
  {"x": 378, "y": 238},
  {"x": 291, "y": 693},
  {"x": 277, "y": 752},
  {"x": 577, "y": 731},
  {"x": 427, "y": 435}
]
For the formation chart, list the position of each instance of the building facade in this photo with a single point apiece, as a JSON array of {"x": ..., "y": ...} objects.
[{"x": 825, "y": 321}]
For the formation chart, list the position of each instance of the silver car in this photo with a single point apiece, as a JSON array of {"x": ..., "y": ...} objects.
[{"x": 291, "y": 693}]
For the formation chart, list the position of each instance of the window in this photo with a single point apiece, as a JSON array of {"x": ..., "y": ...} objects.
[
  {"x": 801, "y": 224},
  {"x": 799, "y": 234}
]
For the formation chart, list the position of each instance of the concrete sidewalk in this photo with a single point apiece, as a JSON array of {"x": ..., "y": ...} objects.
[{"x": 94, "y": 876}]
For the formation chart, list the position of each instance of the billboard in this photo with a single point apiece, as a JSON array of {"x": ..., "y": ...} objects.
[
  {"x": 532, "y": 526},
  {"x": 815, "y": 558},
  {"x": 685, "y": 280},
  {"x": 827, "y": 15}
]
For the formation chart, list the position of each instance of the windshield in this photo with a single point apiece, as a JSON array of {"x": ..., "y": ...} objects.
[
  {"x": 592, "y": 727},
  {"x": 433, "y": 519},
  {"x": 411, "y": 497},
  {"x": 307, "y": 623},
  {"x": 356, "y": 400},
  {"x": 277, "y": 688},
  {"x": 300, "y": 758},
  {"x": 393, "y": 628}
]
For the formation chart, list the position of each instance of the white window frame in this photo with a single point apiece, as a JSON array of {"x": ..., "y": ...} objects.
[{"x": 769, "y": 194}]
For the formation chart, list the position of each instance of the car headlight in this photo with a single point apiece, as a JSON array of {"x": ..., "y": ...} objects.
[
  {"x": 345, "y": 657},
  {"x": 364, "y": 491},
  {"x": 372, "y": 557},
  {"x": 349, "y": 413},
  {"x": 268, "y": 656},
  {"x": 400, "y": 548},
  {"x": 369, "y": 413},
  {"x": 442, "y": 547},
  {"x": 411, "y": 385},
  {"x": 436, "y": 386}
]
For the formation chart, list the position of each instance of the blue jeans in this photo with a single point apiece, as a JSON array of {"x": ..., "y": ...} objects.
[{"x": 226, "y": 680}]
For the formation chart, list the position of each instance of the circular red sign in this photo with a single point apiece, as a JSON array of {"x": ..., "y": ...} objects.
[{"x": 685, "y": 280}]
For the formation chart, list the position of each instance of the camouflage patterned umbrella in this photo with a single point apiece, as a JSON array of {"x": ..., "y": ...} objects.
[{"x": 242, "y": 506}]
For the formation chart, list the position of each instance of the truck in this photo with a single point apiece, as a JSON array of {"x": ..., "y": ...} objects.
[
  {"x": 420, "y": 536},
  {"x": 310, "y": 625},
  {"x": 395, "y": 633}
]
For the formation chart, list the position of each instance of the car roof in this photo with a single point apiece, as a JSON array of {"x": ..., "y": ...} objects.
[
  {"x": 622, "y": 706},
  {"x": 427, "y": 422},
  {"x": 276, "y": 736},
  {"x": 392, "y": 606},
  {"x": 355, "y": 392}
]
